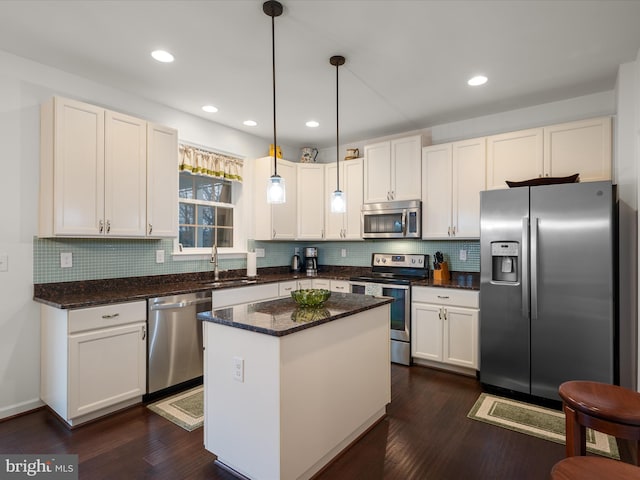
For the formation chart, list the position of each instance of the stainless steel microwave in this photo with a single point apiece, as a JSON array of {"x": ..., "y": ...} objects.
[{"x": 392, "y": 219}]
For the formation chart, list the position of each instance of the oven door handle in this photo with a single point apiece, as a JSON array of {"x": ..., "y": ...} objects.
[{"x": 385, "y": 286}]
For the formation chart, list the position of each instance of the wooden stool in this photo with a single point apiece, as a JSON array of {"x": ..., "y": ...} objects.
[
  {"x": 593, "y": 468},
  {"x": 606, "y": 408}
]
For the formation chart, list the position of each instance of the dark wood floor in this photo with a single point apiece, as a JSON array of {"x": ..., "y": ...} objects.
[{"x": 426, "y": 435}]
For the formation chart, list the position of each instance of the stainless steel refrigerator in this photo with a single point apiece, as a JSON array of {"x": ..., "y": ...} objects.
[{"x": 547, "y": 292}]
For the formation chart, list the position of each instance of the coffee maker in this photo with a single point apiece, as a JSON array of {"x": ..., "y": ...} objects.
[{"x": 311, "y": 261}]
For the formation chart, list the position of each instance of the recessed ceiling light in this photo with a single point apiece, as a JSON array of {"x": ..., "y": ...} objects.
[
  {"x": 250, "y": 123},
  {"x": 477, "y": 80},
  {"x": 209, "y": 109},
  {"x": 312, "y": 124},
  {"x": 162, "y": 56}
]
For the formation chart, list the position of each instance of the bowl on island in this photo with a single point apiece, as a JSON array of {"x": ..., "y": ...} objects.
[{"x": 310, "y": 297}]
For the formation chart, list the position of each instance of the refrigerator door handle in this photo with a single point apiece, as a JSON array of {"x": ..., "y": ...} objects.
[
  {"x": 534, "y": 269},
  {"x": 524, "y": 259}
]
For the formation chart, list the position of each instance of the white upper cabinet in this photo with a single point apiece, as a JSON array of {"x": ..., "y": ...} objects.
[
  {"x": 469, "y": 172},
  {"x": 94, "y": 173},
  {"x": 162, "y": 179},
  {"x": 514, "y": 156},
  {"x": 582, "y": 147},
  {"x": 277, "y": 221},
  {"x": 125, "y": 175},
  {"x": 437, "y": 202},
  {"x": 392, "y": 170},
  {"x": 71, "y": 168},
  {"x": 311, "y": 201},
  {"x": 344, "y": 226},
  {"x": 453, "y": 177}
]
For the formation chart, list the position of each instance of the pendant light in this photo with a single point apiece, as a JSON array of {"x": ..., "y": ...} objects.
[
  {"x": 275, "y": 188},
  {"x": 338, "y": 199}
]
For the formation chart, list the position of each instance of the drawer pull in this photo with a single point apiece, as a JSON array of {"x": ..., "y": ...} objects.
[
  {"x": 445, "y": 297},
  {"x": 111, "y": 316}
]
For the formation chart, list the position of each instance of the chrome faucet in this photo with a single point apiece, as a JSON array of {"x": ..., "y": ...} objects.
[{"x": 214, "y": 260}]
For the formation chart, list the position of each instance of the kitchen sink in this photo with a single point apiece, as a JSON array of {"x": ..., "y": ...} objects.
[{"x": 234, "y": 282}]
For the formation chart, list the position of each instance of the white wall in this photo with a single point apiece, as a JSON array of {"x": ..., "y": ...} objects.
[
  {"x": 24, "y": 85},
  {"x": 626, "y": 173}
]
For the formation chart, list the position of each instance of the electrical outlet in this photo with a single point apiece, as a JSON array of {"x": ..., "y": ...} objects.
[
  {"x": 344, "y": 253},
  {"x": 238, "y": 369},
  {"x": 4, "y": 262},
  {"x": 259, "y": 252},
  {"x": 463, "y": 255},
  {"x": 296, "y": 251},
  {"x": 66, "y": 260},
  {"x": 159, "y": 256}
]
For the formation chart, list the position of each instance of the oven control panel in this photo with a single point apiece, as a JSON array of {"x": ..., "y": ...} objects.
[{"x": 399, "y": 260}]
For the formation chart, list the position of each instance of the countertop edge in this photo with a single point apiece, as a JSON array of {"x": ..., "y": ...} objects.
[
  {"x": 211, "y": 317},
  {"x": 74, "y": 296}
]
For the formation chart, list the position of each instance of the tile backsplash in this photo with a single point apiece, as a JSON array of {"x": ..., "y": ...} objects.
[{"x": 95, "y": 259}]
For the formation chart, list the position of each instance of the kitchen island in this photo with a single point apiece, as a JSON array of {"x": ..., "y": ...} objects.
[{"x": 287, "y": 389}]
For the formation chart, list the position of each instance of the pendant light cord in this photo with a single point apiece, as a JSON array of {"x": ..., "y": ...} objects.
[
  {"x": 273, "y": 70},
  {"x": 337, "y": 129},
  {"x": 337, "y": 60}
]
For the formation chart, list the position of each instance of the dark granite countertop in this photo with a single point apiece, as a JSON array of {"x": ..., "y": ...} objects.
[
  {"x": 283, "y": 316},
  {"x": 91, "y": 293}
]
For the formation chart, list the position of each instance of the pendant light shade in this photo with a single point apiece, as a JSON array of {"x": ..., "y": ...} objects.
[
  {"x": 276, "y": 192},
  {"x": 338, "y": 198}
]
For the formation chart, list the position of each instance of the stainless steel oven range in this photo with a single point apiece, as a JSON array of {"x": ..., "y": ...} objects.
[{"x": 391, "y": 275}]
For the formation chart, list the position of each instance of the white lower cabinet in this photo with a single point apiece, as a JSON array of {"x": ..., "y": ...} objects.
[
  {"x": 445, "y": 326},
  {"x": 341, "y": 286},
  {"x": 93, "y": 360},
  {"x": 251, "y": 293},
  {"x": 285, "y": 288}
]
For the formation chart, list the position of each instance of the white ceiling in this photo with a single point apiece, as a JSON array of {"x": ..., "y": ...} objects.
[{"x": 407, "y": 61}]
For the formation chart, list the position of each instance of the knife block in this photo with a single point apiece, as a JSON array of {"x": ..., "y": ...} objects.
[{"x": 443, "y": 274}]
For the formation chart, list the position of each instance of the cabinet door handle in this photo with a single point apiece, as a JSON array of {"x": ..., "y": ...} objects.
[
  {"x": 440, "y": 313},
  {"x": 150, "y": 229},
  {"x": 449, "y": 231},
  {"x": 113, "y": 315},
  {"x": 108, "y": 226},
  {"x": 100, "y": 226},
  {"x": 444, "y": 313},
  {"x": 144, "y": 332},
  {"x": 274, "y": 234},
  {"x": 453, "y": 230}
]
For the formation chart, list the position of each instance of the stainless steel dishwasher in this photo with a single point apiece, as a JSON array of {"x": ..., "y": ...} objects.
[{"x": 174, "y": 349}]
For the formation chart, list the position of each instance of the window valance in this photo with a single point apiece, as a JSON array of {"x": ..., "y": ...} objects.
[{"x": 211, "y": 164}]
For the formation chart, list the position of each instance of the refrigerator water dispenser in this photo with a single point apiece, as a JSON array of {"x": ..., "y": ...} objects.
[{"x": 504, "y": 256}]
